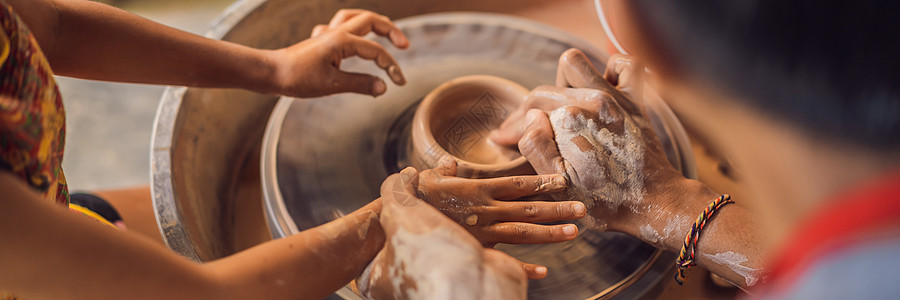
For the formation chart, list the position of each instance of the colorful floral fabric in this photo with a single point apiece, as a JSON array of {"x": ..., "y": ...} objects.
[{"x": 32, "y": 119}]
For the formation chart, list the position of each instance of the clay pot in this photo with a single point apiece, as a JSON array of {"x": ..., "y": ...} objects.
[{"x": 455, "y": 119}]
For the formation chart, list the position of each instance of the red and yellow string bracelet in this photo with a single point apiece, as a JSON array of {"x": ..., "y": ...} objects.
[{"x": 686, "y": 257}]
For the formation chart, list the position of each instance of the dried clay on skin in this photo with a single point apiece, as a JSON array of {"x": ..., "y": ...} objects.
[
  {"x": 650, "y": 235},
  {"x": 734, "y": 262},
  {"x": 610, "y": 171},
  {"x": 440, "y": 266}
]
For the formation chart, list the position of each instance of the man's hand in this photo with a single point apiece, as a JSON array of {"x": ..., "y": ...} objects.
[
  {"x": 599, "y": 138},
  {"x": 311, "y": 68},
  {"x": 592, "y": 90},
  {"x": 428, "y": 256},
  {"x": 479, "y": 205}
]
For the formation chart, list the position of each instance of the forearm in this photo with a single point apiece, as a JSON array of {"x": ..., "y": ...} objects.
[
  {"x": 51, "y": 253},
  {"x": 97, "y": 41},
  {"x": 308, "y": 265},
  {"x": 730, "y": 244}
]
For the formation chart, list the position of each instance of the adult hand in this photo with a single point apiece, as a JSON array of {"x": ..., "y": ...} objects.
[
  {"x": 312, "y": 67},
  {"x": 480, "y": 205},
  {"x": 428, "y": 256},
  {"x": 601, "y": 141},
  {"x": 592, "y": 89}
]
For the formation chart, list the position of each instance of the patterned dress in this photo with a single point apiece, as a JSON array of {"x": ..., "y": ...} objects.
[{"x": 32, "y": 119}]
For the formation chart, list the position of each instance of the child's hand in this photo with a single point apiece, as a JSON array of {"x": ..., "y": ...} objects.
[
  {"x": 428, "y": 256},
  {"x": 311, "y": 68},
  {"x": 478, "y": 205}
]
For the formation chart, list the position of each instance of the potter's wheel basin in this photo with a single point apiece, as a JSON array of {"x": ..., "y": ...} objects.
[{"x": 325, "y": 157}]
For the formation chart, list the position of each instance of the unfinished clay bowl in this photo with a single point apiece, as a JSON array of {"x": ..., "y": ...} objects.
[{"x": 455, "y": 119}]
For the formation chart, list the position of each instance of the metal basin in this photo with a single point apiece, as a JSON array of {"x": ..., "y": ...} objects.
[{"x": 207, "y": 185}]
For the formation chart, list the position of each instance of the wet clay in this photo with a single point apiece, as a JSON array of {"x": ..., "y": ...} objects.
[{"x": 455, "y": 120}]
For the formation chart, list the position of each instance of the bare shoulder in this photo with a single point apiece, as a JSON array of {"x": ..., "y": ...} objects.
[{"x": 40, "y": 16}]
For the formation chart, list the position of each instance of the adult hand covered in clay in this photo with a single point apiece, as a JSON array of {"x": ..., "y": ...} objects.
[
  {"x": 598, "y": 138},
  {"x": 478, "y": 205},
  {"x": 592, "y": 89},
  {"x": 312, "y": 67},
  {"x": 428, "y": 256}
]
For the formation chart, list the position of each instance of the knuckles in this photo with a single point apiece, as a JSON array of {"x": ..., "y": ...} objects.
[
  {"x": 523, "y": 232},
  {"x": 530, "y": 211},
  {"x": 518, "y": 182}
]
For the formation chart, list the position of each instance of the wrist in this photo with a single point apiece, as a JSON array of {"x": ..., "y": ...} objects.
[
  {"x": 268, "y": 74},
  {"x": 687, "y": 202},
  {"x": 671, "y": 209}
]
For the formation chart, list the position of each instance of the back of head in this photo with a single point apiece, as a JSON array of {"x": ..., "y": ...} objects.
[{"x": 830, "y": 67}]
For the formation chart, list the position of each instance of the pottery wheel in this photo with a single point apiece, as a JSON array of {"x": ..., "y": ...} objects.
[{"x": 325, "y": 157}]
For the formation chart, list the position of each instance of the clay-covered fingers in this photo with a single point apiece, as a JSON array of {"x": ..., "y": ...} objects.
[
  {"x": 515, "y": 187},
  {"x": 371, "y": 50},
  {"x": 545, "y": 98},
  {"x": 527, "y": 233},
  {"x": 576, "y": 70},
  {"x": 538, "y": 144},
  {"x": 534, "y": 211}
]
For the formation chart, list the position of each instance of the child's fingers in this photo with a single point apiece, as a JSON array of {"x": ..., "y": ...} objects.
[
  {"x": 343, "y": 15},
  {"x": 515, "y": 187},
  {"x": 494, "y": 257},
  {"x": 526, "y": 233},
  {"x": 534, "y": 271},
  {"x": 339, "y": 19},
  {"x": 534, "y": 211},
  {"x": 368, "y": 49},
  {"x": 358, "y": 83},
  {"x": 367, "y": 21}
]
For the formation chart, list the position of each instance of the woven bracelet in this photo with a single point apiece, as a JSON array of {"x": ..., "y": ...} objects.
[{"x": 686, "y": 257}]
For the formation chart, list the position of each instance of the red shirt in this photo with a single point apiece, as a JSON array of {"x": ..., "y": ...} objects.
[{"x": 868, "y": 215}]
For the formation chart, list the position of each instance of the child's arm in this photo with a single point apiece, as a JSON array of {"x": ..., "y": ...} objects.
[
  {"x": 49, "y": 252},
  {"x": 95, "y": 41}
]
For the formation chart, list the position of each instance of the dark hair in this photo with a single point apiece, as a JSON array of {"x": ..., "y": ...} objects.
[{"x": 831, "y": 67}]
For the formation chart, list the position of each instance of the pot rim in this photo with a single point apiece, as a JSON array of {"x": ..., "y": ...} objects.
[{"x": 427, "y": 107}]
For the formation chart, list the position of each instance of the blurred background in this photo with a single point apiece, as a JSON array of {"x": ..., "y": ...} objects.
[{"x": 109, "y": 124}]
